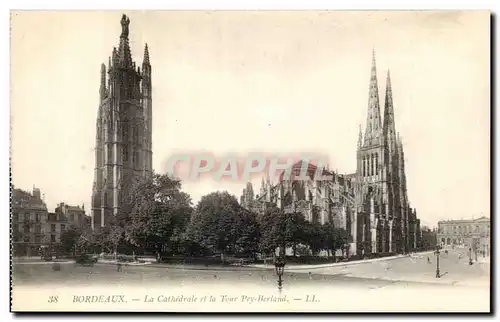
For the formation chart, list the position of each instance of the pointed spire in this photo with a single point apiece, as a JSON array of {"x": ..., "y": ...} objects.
[
  {"x": 373, "y": 119},
  {"x": 360, "y": 137},
  {"x": 146, "y": 55},
  {"x": 102, "y": 89},
  {"x": 124, "y": 54},
  {"x": 389, "y": 122}
]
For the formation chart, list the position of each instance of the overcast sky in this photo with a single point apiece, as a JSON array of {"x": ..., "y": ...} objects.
[{"x": 234, "y": 82}]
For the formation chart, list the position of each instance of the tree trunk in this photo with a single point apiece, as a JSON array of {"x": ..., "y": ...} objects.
[{"x": 282, "y": 251}]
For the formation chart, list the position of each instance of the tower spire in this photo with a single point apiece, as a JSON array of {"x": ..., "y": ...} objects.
[
  {"x": 124, "y": 49},
  {"x": 360, "y": 137},
  {"x": 373, "y": 120},
  {"x": 389, "y": 122},
  {"x": 102, "y": 88},
  {"x": 146, "y": 55}
]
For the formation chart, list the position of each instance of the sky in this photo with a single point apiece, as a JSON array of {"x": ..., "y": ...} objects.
[{"x": 279, "y": 82}]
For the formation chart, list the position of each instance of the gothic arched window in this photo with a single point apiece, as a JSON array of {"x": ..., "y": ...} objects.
[
  {"x": 125, "y": 153},
  {"x": 372, "y": 166},
  {"x": 363, "y": 167},
  {"x": 376, "y": 163}
]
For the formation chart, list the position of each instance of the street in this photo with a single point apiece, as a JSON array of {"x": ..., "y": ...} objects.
[
  {"x": 454, "y": 269},
  {"x": 369, "y": 274},
  {"x": 384, "y": 285}
]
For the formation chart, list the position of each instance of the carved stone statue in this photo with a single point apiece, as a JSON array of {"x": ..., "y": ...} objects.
[{"x": 125, "y": 22}]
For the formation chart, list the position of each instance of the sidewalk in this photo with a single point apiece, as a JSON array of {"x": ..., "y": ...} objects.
[{"x": 340, "y": 264}]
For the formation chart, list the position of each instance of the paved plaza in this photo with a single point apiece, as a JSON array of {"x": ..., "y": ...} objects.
[
  {"x": 454, "y": 270},
  {"x": 394, "y": 284}
]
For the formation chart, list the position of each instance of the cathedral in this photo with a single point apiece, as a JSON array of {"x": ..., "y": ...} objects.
[
  {"x": 123, "y": 148},
  {"x": 371, "y": 204}
]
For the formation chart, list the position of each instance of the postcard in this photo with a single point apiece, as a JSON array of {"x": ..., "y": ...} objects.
[{"x": 250, "y": 161}]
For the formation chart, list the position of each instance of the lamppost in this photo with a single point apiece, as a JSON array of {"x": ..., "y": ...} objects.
[
  {"x": 279, "y": 265},
  {"x": 470, "y": 256},
  {"x": 438, "y": 275},
  {"x": 475, "y": 251}
]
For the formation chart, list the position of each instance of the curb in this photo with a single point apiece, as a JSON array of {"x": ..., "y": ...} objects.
[{"x": 366, "y": 261}]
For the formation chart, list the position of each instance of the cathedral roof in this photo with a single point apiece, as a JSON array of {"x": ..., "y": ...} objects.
[{"x": 297, "y": 168}]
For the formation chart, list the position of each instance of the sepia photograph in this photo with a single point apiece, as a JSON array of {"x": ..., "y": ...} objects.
[{"x": 250, "y": 161}]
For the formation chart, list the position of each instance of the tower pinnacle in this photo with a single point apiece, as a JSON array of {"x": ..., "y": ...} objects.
[
  {"x": 125, "y": 22},
  {"x": 389, "y": 122},
  {"x": 360, "y": 137},
  {"x": 146, "y": 55},
  {"x": 102, "y": 88},
  {"x": 373, "y": 120},
  {"x": 124, "y": 54}
]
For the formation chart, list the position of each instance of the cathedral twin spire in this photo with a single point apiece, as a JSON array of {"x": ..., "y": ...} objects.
[{"x": 374, "y": 131}]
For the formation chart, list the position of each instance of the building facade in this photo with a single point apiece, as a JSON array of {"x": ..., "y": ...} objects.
[
  {"x": 429, "y": 239},
  {"x": 29, "y": 222},
  {"x": 123, "y": 149},
  {"x": 33, "y": 226},
  {"x": 371, "y": 204},
  {"x": 64, "y": 217},
  {"x": 469, "y": 233}
]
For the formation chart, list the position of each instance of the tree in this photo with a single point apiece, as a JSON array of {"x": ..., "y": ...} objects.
[
  {"x": 109, "y": 237},
  {"x": 281, "y": 230},
  {"x": 69, "y": 238},
  {"x": 316, "y": 237},
  {"x": 341, "y": 240},
  {"x": 334, "y": 238},
  {"x": 155, "y": 212},
  {"x": 271, "y": 234},
  {"x": 221, "y": 225},
  {"x": 296, "y": 228},
  {"x": 246, "y": 233}
]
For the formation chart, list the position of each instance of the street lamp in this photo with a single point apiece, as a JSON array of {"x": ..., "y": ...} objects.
[
  {"x": 438, "y": 275},
  {"x": 470, "y": 256},
  {"x": 279, "y": 265}
]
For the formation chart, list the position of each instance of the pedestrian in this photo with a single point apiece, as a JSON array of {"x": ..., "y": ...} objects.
[
  {"x": 118, "y": 267},
  {"x": 428, "y": 260}
]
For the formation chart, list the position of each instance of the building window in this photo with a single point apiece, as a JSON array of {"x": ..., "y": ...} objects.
[
  {"x": 135, "y": 134},
  {"x": 376, "y": 163},
  {"x": 63, "y": 227},
  {"x": 38, "y": 229},
  {"x": 372, "y": 165},
  {"x": 37, "y": 217},
  {"x": 26, "y": 216},
  {"x": 52, "y": 238},
  {"x": 26, "y": 239},
  {"x": 26, "y": 229},
  {"x": 363, "y": 167},
  {"x": 125, "y": 153},
  {"x": 53, "y": 227},
  {"x": 37, "y": 239}
]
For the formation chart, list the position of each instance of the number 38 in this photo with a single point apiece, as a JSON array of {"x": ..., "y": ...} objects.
[{"x": 53, "y": 299}]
